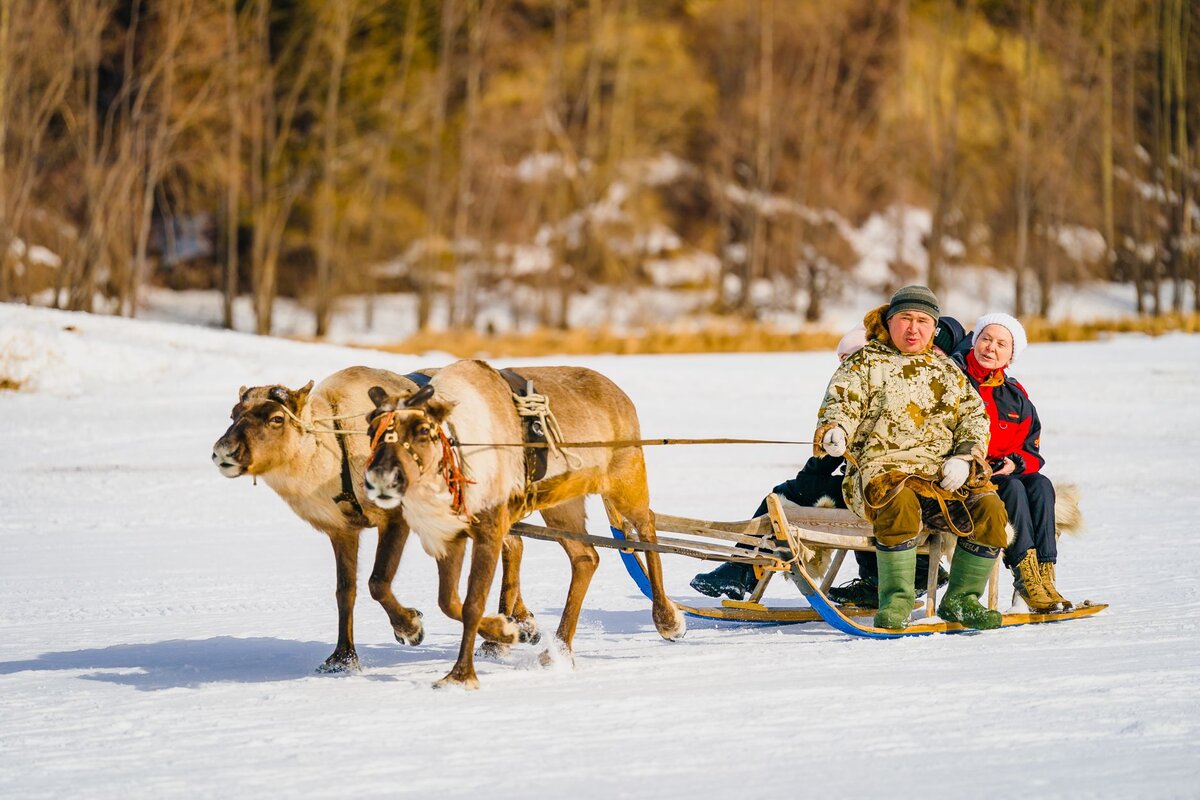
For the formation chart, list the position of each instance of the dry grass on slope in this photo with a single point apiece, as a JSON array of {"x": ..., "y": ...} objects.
[{"x": 742, "y": 338}]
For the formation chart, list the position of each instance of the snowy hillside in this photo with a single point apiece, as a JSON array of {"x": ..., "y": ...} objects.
[{"x": 160, "y": 624}]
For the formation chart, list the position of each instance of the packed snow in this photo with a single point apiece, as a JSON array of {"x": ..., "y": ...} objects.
[{"x": 161, "y": 624}]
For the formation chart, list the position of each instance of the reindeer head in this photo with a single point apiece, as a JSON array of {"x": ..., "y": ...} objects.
[
  {"x": 405, "y": 446},
  {"x": 263, "y": 432}
]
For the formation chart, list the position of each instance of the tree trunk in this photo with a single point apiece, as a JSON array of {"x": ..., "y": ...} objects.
[
  {"x": 756, "y": 261},
  {"x": 1106, "y": 134},
  {"x": 339, "y": 38},
  {"x": 1024, "y": 200},
  {"x": 435, "y": 239},
  {"x": 229, "y": 289},
  {"x": 6, "y": 234}
]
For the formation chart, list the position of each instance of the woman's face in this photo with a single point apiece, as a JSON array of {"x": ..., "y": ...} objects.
[{"x": 993, "y": 347}]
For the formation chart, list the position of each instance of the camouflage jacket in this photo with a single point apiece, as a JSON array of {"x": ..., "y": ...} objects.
[{"x": 903, "y": 415}]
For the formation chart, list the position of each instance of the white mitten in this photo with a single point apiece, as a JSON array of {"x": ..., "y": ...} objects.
[
  {"x": 834, "y": 442},
  {"x": 954, "y": 474}
]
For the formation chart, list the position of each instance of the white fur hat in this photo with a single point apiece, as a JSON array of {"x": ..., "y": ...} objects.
[
  {"x": 1012, "y": 324},
  {"x": 854, "y": 340}
]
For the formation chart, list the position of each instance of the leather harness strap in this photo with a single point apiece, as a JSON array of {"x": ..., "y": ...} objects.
[
  {"x": 536, "y": 457},
  {"x": 355, "y": 512}
]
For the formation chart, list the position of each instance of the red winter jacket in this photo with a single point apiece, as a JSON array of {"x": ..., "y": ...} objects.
[{"x": 1016, "y": 429}]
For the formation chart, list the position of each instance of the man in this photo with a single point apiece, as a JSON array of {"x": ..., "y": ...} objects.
[
  {"x": 915, "y": 435},
  {"x": 818, "y": 484},
  {"x": 863, "y": 591}
]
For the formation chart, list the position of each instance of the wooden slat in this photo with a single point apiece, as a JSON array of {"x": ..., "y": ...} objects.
[
  {"x": 749, "y": 527},
  {"x": 701, "y": 550},
  {"x": 833, "y": 570}
]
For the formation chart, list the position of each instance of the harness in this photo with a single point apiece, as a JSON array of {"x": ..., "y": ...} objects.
[
  {"x": 355, "y": 513},
  {"x": 533, "y": 424}
]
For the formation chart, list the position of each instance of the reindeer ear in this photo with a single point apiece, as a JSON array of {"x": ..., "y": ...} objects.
[
  {"x": 378, "y": 395},
  {"x": 300, "y": 396},
  {"x": 439, "y": 410},
  {"x": 421, "y": 397}
]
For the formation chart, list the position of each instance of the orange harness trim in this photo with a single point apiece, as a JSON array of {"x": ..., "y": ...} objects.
[
  {"x": 456, "y": 480},
  {"x": 387, "y": 424}
]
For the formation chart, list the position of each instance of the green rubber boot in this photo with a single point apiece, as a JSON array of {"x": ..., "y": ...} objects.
[
  {"x": 897, "y": 591},
  {"x": 968, "y": 577}
]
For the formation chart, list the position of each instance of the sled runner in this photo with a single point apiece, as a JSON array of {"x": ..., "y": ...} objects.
[{"x": 819, "y": 538}]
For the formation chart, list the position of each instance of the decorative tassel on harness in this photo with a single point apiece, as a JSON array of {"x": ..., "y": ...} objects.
[{"x": 452, "y": 473}]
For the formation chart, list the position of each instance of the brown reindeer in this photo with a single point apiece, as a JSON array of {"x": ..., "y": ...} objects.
[
  {"x": 413, "y": 465},
  {"x": 283, "y": 436}
]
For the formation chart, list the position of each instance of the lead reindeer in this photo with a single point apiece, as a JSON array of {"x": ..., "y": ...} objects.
[
  {"x": 414, "y": 465},
  {"x": 288, "y": 438}
]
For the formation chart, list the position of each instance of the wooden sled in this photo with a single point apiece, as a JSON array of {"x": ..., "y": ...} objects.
[{"x": 819, "y": 538}]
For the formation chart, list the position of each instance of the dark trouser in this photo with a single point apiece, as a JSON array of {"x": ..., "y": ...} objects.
[
  {"x": 1029, "y": 500},
  {"x": 807, "y": 490}
]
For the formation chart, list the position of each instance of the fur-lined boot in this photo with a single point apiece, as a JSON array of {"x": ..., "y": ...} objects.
[
  {"x": 1047, "y": 574},
  {"x": 968, "y": 576},
  {"x": 1027, "y": 580}
]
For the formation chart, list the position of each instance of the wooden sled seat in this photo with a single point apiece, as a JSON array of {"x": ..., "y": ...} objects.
[{"x": 825, "y": 536}]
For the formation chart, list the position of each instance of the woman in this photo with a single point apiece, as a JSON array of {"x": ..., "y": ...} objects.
[{"x": 1013, "y": 451}]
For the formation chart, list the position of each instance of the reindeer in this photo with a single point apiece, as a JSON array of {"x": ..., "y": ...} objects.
[
  {"x": 286, "y": 437},
  {"x": 413, "y": 465}
]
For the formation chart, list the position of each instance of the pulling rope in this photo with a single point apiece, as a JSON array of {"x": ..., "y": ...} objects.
[
  {"x": 554, "y": 434},
  {"x": 308, "y": 427},
  {"x": 629, "y": 443}
]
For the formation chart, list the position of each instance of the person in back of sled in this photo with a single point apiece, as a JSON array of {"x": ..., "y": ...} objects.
[
  {"x": 1015, "y": 457},
  {"x": 863, "y": 591},
  {"x": 914, "y": 432}
]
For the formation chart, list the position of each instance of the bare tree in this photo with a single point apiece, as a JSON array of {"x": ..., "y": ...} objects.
[
  {"x": 337, "y": 30},
  {"x": 233, "y": 177},
  {"x": 1030, "y": 17}
]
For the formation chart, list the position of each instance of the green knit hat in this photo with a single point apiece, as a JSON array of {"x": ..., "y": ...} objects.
[{"x": 914, "y": 298}]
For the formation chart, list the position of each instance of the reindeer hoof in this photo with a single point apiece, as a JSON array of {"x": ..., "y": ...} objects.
[
  {"x": 671, "y": 629},
  {"x": 413, "y": 638},
  {"x": 414, "y": 635},
  {"x": 529, "y": 633},
  {"x": 557, "y": 653},
  {"x": 493, "y": 651},
  {"x": 469, "y": 683},
  {"x": 340, "y": 663}
]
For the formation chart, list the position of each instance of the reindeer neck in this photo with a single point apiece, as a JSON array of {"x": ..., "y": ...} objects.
[{"x": 309, "y": 477}]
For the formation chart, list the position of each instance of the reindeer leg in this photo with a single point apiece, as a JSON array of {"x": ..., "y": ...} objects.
[
  {"x": 570, "y": 516},
  {"x": 511, "y": 603},
  {"x": 498, "y": 628},
  {"x": 406, "y": 622},
  {"x": 449, "y": 570},
  {"x": 484, "y": 554},
  {"x": 631, "y": 499},
  {"x": 345, "y": 556}
]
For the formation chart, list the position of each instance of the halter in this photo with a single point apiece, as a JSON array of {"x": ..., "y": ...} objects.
[{"x": 451, "y": 466}]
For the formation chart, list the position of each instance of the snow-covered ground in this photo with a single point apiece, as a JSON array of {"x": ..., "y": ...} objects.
[{"x": 159, "y": 624}]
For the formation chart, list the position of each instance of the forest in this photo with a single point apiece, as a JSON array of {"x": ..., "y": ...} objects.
[{"x": 451, "y": 150}]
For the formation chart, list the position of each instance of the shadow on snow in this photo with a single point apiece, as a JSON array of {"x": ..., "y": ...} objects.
[{"x": 190, "y": 663}]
